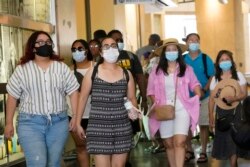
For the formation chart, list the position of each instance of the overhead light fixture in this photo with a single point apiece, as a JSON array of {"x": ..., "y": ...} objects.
[{"x": 223, "y": 1}]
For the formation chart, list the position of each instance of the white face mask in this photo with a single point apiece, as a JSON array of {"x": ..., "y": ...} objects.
[{"x": 110, "y": 55}]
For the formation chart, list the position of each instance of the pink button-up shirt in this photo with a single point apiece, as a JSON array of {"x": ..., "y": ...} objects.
[{"x": 156, "y": 87}]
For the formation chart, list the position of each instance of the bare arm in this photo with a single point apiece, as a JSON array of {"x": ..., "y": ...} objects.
[
  {"x": 11, "y": 107},
  {"x": 73, "y": 100},
  {"x": 141, "y": 81},
  {"x": 82, "y": 100},
  {"x": 206, "y": 87},
  {"x": 131, "y": 90},
  {"x": 211, "y": 111},
  {"x": 84, "y": 95},
  {"x": 197, "y": 91},
  {"x": 242, "y": 95}
]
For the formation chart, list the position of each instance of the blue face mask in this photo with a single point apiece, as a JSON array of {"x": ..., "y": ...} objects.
[
  {"x": 194, "y": 47},
  {"x": 171, "y": 56},
  {"x": 79, "y": 56},
  {"x": 120, "y": 45},
  {"x": 225, "y": 65}
]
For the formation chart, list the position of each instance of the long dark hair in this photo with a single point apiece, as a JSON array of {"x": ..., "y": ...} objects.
[
  {"x": 29, "y": 48},
  {"x": 86, "y": 46},
  {"x": 163, "y": 63},
  {"x": 219, "y": 70}
]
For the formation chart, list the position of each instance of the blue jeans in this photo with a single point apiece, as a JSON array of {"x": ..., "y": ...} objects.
[{"x": 42, "y": 139}]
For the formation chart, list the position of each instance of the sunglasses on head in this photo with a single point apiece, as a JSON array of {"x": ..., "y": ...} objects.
[{"x": 73, "y": 49}]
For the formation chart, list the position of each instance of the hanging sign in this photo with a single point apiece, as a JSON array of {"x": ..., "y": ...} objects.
[{"x": 133, "y": 1}]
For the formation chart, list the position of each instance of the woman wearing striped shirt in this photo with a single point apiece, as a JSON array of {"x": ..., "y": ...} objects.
[{"x": 41, "y": 83}]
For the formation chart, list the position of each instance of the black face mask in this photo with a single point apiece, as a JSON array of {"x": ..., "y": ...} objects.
[{"x": 44, "y": 51}]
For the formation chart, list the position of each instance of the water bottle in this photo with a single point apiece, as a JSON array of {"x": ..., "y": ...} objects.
[
  {"x": 128, "y": 104},
  {"x": 132, "y": 111}
]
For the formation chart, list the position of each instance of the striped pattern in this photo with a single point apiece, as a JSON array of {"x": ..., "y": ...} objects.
[
  {"x": 42, "y": 92},
  {"x": 109, "y": 130}
]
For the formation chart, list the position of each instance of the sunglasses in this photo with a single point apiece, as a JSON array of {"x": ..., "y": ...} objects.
[{"x": 75, "y": 49}]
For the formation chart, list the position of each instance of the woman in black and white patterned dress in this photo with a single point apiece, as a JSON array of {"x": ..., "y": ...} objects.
[{"x": 109, "y": 132}]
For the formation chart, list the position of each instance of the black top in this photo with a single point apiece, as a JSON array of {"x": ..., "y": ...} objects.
[{"x": 130, "y": 61}]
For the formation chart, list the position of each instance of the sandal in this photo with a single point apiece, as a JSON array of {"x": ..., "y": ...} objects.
[
  {"x": 202, "y": 158},
  {"x": 189, "y": 156}
]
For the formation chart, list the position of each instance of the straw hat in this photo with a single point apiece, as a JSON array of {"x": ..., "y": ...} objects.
[
  {"x": 170, "y": 41},
  {"x": 225, "y": 88}
]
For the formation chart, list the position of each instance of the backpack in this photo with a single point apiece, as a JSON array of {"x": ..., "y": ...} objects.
[
  {"x": 204, "y": 60},
  {"x": 241, "y": 135},
  {"x": 240, "y": 132},
  {"x": 130, "y": 55}
]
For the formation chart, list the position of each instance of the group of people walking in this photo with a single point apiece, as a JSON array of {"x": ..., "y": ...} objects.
[{"x": 102, "y": 75}]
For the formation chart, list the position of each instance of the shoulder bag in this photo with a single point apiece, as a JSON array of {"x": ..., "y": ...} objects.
[{"x": 166, "y": 112}]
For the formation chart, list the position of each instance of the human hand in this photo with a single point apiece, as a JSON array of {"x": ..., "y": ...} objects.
[
  {"x": 80, "y": 132},
  {"x": 230, "y": 99},
  {"x": 9, "y": 131},
  {"x": 72, "y": 124},
  {"x": 134, "y": 114}
]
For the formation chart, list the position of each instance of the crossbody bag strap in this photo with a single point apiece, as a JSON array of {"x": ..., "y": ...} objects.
[{"x": 175, "y": 93}]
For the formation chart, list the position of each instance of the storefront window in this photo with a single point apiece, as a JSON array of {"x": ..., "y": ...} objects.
[{"x": 38, "y": 10}]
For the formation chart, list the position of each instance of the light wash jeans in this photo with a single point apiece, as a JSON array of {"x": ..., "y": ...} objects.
[{"x": 42, "y": 139}]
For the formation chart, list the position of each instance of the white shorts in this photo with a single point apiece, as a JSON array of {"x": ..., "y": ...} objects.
[
  {"x": 204, "y": 116},
  {"x": 180, "y": 125}
]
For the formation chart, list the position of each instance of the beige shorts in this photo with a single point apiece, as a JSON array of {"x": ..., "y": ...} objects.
[{"x": 204, "y": 116}]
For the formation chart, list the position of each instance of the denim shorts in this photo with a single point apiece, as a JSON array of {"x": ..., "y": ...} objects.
[{"x": 43, "y": 138}]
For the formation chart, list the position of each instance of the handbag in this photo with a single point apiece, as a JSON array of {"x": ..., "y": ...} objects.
[
  {"x": 241, "y": 135},
  {"x": 166, "y": 112},
  {"x": 224, "y": 123},
  {"x": 240, "y": 132}
]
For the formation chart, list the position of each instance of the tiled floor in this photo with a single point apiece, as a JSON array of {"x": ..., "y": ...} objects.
[{"x": 140, "y": 158}]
